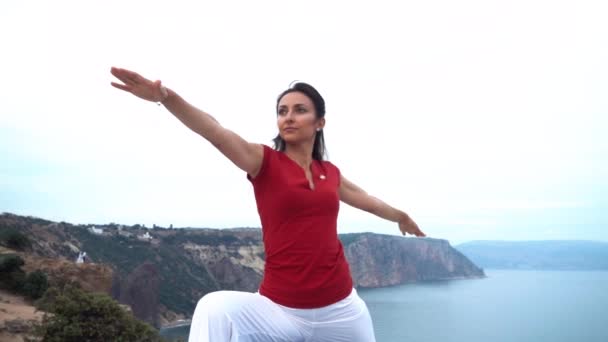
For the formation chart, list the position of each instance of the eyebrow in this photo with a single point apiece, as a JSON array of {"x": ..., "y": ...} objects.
[{"x": 296, "y": 105}]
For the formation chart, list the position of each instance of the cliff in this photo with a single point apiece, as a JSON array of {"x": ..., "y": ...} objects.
[
  {"x": 182, "y": 265},
  {"x": 140, "y": 292},
  {"x": 385, "y": 260}
]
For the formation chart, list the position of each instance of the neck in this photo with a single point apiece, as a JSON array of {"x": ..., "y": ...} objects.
[{"x": 301, "y": 154}]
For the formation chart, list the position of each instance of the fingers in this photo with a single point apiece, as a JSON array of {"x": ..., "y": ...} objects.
[
  {"x": 412, "y": 230},
  {"x": 126, "y": 76},
  {"x": 118, "y": 72},
  {"x": 121, "y": 74},
  {"x": 418, "y": 232},
  {"x": 120, "y": 86},
  {"x": 133, "y": 78}
]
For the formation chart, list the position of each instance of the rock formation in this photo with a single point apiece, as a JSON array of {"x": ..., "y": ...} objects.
[
  {"x": 140, "y": 292},
  {"x": 385, "y": 260}
]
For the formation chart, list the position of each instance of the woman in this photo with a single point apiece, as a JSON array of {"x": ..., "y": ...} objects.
[{"x": 306, "y": 293}]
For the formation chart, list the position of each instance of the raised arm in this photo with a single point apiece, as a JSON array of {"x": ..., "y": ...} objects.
[
  {"x": 245, "y": 155},
  {"x": 356, "y": 197}
]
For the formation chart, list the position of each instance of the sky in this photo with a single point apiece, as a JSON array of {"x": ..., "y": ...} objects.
[{"x": 483, "y": 120}]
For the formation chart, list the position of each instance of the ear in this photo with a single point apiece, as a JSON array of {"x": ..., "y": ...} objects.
[{"x": 320, "y": 124}]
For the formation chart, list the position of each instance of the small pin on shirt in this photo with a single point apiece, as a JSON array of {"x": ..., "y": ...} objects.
[{"x": 322, "y": 176}]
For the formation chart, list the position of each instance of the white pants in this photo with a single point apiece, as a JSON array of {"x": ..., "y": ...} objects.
[{"x": 231, "y": 316}]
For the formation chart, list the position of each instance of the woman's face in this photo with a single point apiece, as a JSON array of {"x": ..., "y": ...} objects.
[{"x": 296, "y": 118}]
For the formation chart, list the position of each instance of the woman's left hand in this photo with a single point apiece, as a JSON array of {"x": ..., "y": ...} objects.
[{"x": 408, "y": 226}]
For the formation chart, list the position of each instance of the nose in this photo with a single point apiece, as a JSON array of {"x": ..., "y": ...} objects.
[{"x": 290, "y": 115}]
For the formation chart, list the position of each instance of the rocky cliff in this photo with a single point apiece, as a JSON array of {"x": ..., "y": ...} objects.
[
  {"x": 385, "y": 260},
  {"x": 140, "y": 292},
  {"x": 184, "y": 264}
]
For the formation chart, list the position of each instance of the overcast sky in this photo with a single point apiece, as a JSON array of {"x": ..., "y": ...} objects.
[{"x": 481, "y": 119}]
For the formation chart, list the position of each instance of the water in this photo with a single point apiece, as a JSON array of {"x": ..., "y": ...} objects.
[{"x": 508, "y": 305}]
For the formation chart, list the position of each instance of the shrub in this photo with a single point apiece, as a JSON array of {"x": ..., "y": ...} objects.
[
  {"x": 10, "y": 263},
  {"x": 77, "y": 315},
  {"x": 14, "y": 239},
  {"x": 13, "y": 281},
  {"x": 12, "y": 277},
  {"x": 36, "y": 283}
]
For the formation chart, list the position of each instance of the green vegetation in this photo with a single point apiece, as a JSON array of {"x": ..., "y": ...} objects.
[
  {"x": 10, "y": 263},
  {"x": 12, "y": 276},
  {"x": 12, "y": 238},
  {"x": 77, "y": 315},
  {"x": 14, "y": 279},
  {"x": 36, "y": 284}
]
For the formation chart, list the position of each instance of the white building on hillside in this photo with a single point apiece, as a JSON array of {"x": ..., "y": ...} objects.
[{"x": 95, "y": 230}]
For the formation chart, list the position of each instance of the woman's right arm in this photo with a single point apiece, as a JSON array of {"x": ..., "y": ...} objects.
[{"x": 245, "y": 155}]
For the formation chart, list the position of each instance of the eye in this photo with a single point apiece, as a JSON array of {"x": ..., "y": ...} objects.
[
  {"x": 301, "y": 110},
  {"x": 282, "y": 111}
]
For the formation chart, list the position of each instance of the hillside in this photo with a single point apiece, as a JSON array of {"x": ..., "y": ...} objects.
[
  {"x": 542, "y": 255},
  {"x": 18, "y": 314},
  {"x": 165, "y": 271}
]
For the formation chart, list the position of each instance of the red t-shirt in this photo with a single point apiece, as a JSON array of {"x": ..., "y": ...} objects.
[{"x": 305, "y": 264}]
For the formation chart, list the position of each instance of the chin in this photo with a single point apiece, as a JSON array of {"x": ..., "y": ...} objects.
[{"x": 292, "y": 139}]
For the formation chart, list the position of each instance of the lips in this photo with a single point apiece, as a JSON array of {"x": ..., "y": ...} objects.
[{"x": 290, "y": 129}]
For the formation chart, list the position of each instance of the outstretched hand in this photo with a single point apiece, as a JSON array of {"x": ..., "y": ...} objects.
[
  {"x": 139, "y": 86},
  {"x": 408, "y": 226}
]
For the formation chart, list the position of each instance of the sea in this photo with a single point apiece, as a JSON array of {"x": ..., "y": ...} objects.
[{"x": 505, "y": 306}]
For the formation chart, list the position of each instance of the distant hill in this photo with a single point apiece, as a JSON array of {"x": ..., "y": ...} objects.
[
  {"x": 541, "y": 255},
  {"x": 177, "y": 266}
]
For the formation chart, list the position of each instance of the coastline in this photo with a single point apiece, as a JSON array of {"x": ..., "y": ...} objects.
[{"x": 176, "y": 324}]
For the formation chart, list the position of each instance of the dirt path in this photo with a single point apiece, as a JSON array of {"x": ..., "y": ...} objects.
[{"x": 15, "y": 307}]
